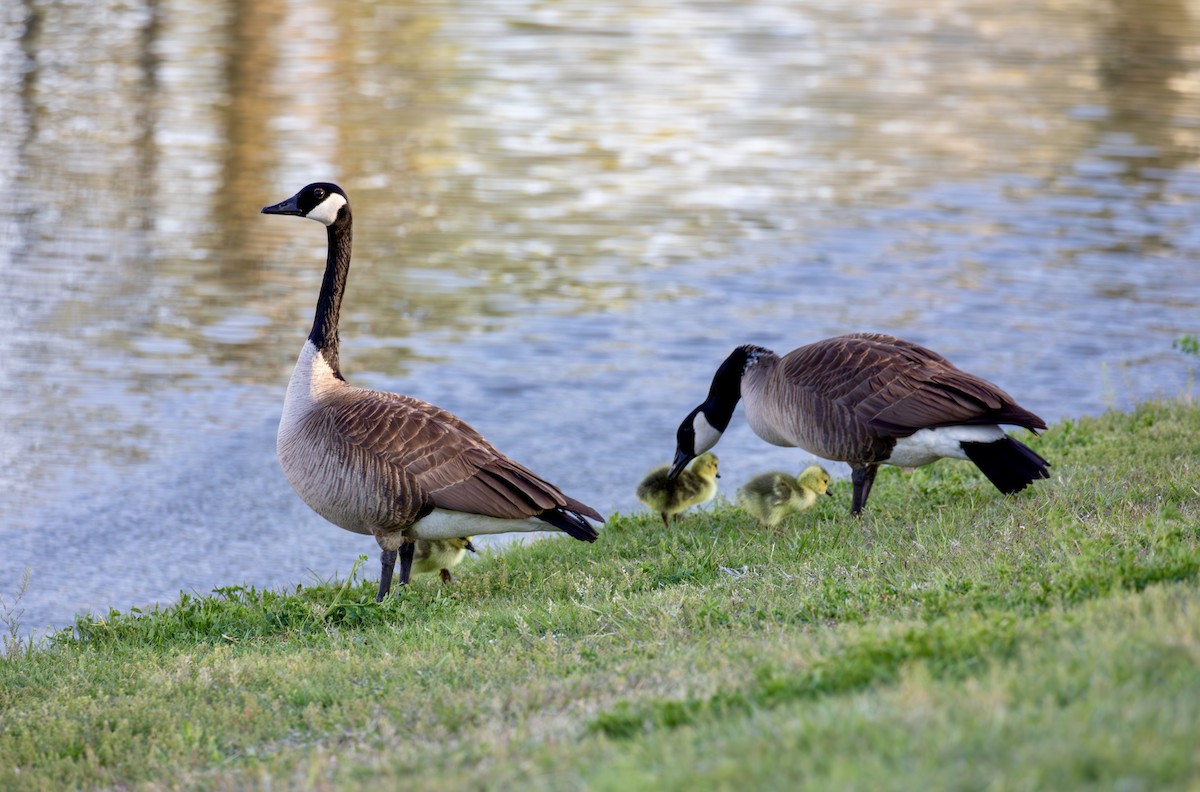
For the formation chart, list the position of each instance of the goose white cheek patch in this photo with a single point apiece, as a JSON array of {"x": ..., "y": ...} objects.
[
  {"x": 706, "y": 435},
  {"x": 327, "y": 211}
]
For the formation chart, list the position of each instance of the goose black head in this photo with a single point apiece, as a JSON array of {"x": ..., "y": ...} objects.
[
  {"x": 695, "y": 436},
  {"x": 703, "y": 426},
  {"x": 320, "y": 201}
]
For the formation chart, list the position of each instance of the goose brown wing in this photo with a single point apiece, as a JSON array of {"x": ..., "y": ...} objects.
[
  {"x": 897, "y": 387},
  {"x": 451, "y": 465}
]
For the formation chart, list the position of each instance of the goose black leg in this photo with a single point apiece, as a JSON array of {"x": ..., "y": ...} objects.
[
  {"x": 863, "y": 478},
  {"x": 387, "y": 563},
  {"x": 406, "y": 560}
]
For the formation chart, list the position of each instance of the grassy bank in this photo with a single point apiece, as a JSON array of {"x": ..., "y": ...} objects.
[{"x": 955, "y": 638}]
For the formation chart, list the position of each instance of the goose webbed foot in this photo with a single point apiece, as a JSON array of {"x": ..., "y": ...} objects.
[{"x": 446, "y": 576}]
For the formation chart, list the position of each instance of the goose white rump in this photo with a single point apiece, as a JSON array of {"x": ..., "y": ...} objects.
[{"x": 929, "y": 445}]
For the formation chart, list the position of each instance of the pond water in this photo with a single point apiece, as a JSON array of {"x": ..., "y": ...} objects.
[{"x": 566, "y": 216}]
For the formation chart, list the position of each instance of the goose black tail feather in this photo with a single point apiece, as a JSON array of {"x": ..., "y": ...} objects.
[
  {"x": 1010, "y": 465},
  {"x": 570, "y": 523}
]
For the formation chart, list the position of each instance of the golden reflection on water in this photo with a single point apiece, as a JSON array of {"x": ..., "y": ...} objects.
[
  {"x": 504, "y": 159},
  {"x": 565, "y": 214}
]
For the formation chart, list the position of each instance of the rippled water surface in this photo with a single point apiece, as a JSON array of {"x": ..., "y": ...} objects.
[{"x": 566, "y": 216}]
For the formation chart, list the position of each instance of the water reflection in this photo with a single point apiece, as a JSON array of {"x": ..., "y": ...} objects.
[{"x": 566, "y": 215}]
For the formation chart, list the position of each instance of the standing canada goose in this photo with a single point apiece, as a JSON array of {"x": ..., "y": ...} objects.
[
  {"x": 439, "y": 555},
  {"x": 389, "y": 465},
  {"x": 769, "y": 497},
  {"x": 670, "y": 495},
  {"x": 867, "y": 399}
]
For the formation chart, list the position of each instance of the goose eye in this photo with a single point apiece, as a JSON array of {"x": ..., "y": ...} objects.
[{"x": 319, "y": 193}]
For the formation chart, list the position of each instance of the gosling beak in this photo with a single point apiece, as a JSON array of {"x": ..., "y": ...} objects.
[
  {"x": 829, "y": 492},
  {"x": 471, "y": 546},
  {"x": 681, "y": 459},
  {"x": 288, "y": 207}
]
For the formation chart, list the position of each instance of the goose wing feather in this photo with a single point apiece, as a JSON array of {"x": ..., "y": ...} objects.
[
  {"x": 446, "y": 462},
  {"x": 897, "y": 387}
]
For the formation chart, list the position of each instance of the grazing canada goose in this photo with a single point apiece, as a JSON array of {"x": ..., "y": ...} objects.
[
  {"x": 867, "y": 399},
  {"x": 670, "y": 495},
  {"x": 439, "y": 555},
  {"x": 389, "y": 465},
  {"x": 769, "y": 497}
]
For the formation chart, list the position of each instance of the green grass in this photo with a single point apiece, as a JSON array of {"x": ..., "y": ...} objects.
[{"x": 953, "y": 639}]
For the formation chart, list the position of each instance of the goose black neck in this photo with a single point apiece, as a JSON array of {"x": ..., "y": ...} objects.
[
  {"x": 726, "y": 389},
  {"x": 324, "y": 333}
]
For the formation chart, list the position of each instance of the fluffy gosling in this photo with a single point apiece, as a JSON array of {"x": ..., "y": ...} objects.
[
  {"x": 770, "y": 497},
  {"x": 693, "y": 486},
  {"x": 439, "y": 555}
]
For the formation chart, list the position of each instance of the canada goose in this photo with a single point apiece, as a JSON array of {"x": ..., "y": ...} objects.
[
  {"x": 439, "y": 555},
  {"x": 389, "y": 465},
  {"x": 867, "y": 399},
  {"x": 769, "y": 497},
  {"x": 670, "y": 495}
]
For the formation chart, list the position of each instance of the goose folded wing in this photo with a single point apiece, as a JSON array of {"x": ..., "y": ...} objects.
[
  {"x": 903, "y": 401},
  {"x": 897, "y": 387},
  {"x": 451, "y": 463},
  {"x": 499, "y": 487}
]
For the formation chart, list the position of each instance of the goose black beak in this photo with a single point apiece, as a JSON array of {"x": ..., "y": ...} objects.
[
  {"x": 681, "y": 459},
  {"x": 288, "y": 207},
  {"x": 471, "y": 546}
]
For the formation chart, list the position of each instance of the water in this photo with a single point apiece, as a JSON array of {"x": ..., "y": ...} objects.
[{"x": 566, "y": 216}]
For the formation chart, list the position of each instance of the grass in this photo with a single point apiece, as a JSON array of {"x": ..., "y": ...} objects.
[
  {"x": 12, "y": 643},
  {"x": 954, "y": 639}
]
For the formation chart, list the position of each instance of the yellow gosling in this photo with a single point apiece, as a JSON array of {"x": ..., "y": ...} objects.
[
  {"x": 770, "y": 497},
  {"x": 693, "y": 486},
  {"x": 440, "y": 555}
]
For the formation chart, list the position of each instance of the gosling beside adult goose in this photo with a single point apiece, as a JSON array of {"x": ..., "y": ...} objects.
[
  {"x": 770, "y": 497},
  {"x": 440, "y": 555},
  {"x": 388, "y": 465},
  {"x": 669, "y": 495},
  {"x": 867, "y": 399}
]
